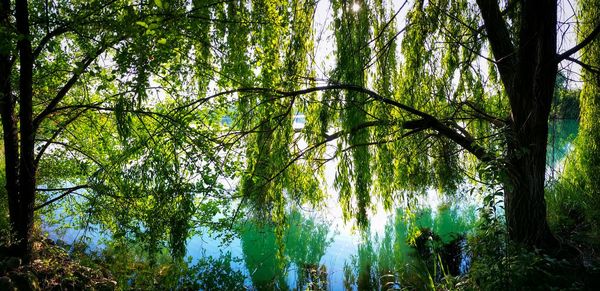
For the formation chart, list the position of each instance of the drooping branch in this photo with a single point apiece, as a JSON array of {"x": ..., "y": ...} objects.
[
  {"x": 427, "y": 120},
  {"x": 328, "y": 138},
  {"x": 480, "y": 113},
  {"x": 499, "y": 38},
  {"x": 167, "y": 116},
  {"x": 75, "y": 149},
  {"x": 434, "y": 123},
  {"x": 591, "y": 37},
  {"x": 68, "y": 191},
  {"x": 47, "y": 38},
  {"x": 55, "y": 135},
  {"x": 588, "y": 67},
  {"x": 67, "y": 87}
]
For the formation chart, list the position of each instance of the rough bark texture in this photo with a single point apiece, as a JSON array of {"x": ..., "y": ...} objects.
[
  {"x": 27, "y": 170},
  {"x": 9, "y": 123},
  {"x": 528, "y": 73},
  {"x": 531, "y": 102}
]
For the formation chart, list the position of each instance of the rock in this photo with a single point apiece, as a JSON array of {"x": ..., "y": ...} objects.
[{"x": 6, "y": 283}]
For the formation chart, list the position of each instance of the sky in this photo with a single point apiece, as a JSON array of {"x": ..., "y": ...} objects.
[{"x": 325, "y": 44}]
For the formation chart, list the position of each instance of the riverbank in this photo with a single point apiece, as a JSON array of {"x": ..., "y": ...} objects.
[{"x": 51, "y": 268}]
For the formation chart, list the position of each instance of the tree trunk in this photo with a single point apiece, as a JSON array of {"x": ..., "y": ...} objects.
[
  {"x": 530, "y": 99},
  {"x": 525, "y": 204},
  {"x": 528, "y": 70},
  {"x": 9, "y": 124},
  {"x": 23, "y": 224}
]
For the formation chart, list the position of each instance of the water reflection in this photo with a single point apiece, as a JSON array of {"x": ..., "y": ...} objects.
[
  {"x": 560, "y": 138},
  {"x": 412, "y": 253},
  {"x": 294, "y": 258},
  {"x": 413, "y": 250}
]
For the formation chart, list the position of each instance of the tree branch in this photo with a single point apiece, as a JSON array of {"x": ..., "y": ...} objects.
[
  {"x": 61, "y": 196},
  {"x": 432, "y": 122},
  {"x": 588, "y": 67},
  {"x": 500, "y": 41},
  {"x": 97, "y": 107},
  {"x": 327, "y": 139},
  {"x": 67, "y": 87},
  {"x": 70, "y": 147},
  {"x": 579, "y": 46},
  {"x": 55, "y": 135},
  {"x": 56, "y": 32},
  {"x": 480, "y": 113}
]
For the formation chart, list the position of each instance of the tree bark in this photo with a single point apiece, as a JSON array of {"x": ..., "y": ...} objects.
[
  {"x": 530, "y": 103},
  {"x": 9, "y": 123},
  {"x": 524, "y": 200},
  {"x": 24, "y": 222},
  {"x": 528, "y": 73}
]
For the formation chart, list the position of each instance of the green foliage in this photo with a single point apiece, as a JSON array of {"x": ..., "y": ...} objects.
[
  {"x": 566, "y": 100},
  {"x": 148, "y": 162},
  {"x": 416, "y": 252},
  {"x": 131, "y": 266},
  {"x": 136, "y": 121},
  {"x": 136, "y": 128},
  {"x": 573, "y": 200},
  {"x": 570, "y": 210},
  {"x": 301, "y": 247},
  {"x": 496, "y": 263}
]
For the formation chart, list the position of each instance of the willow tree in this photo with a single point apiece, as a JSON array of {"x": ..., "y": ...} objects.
[
  {"x": 472, "y": 77},
  {"x": 93, "y": 97},
  {"x": 582, "y": 170}
]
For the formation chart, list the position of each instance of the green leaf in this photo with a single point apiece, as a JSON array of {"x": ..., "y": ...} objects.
[
  {"x": 142, "y": 24},
  {"x": 162, "y": 41},
  {"x": 158, "y": 3}
]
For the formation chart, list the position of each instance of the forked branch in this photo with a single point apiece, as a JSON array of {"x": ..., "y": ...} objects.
[{"x": 429, "y": 120}]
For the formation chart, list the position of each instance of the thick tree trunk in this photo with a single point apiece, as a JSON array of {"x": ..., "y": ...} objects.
[
  {"x": 530, "y": 100},
  {"x": 9, "y": 124},
  {"x": 528, "y": 70},
  {"x": 24, "y": 222},
  {"x": 525, "y": 204}
]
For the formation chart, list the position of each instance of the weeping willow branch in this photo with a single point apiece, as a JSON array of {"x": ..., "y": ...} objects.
[
  {"x": 588, "y": 67},
  {"x": 62, "y": 127},
  {"x": 593, "y": 35},
  {"x": 61, "y": 196},
  {"x": 499, "y": 38},
  {"x": 328, "y": 138},
  {"x": 427, "y": 120}
]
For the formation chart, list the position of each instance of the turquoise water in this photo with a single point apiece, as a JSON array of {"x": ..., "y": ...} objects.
[{"x": 318, "y": 249}]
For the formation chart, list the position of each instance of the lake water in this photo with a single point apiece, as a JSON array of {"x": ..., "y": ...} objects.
[{"x": 319, "y": 250}]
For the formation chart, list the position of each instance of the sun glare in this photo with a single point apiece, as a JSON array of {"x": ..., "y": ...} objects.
[{"x": 355, "y": 7}]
